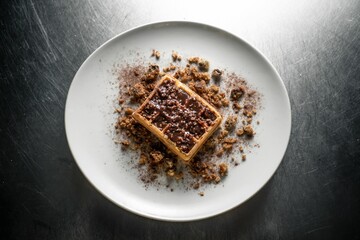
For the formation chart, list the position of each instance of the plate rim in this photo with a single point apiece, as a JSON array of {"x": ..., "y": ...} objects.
[{"x": 177, "y": 22}]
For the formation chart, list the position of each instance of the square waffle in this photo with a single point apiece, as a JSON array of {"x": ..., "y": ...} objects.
[{"x": 179, "y": 117}]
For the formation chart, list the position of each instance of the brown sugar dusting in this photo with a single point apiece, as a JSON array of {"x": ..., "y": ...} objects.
[{"x": 236, "y": 100}]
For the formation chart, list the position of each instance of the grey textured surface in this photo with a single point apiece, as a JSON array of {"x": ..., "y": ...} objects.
[{"x": 315, "y": 194}]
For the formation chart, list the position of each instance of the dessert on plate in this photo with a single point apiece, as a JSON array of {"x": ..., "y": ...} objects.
[{"x": 179, "y": 117}]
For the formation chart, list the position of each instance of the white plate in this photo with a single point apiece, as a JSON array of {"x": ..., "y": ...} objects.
[{"x": 89, "y": 120}]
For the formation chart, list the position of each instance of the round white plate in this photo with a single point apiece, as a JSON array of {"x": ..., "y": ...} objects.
[{"x": 89, "y": 120}]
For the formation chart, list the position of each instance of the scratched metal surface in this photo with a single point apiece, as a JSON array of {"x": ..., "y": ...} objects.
[{"x": 315, "y": 194}]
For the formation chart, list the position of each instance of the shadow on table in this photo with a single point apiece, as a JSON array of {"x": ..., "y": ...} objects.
[{"x": 109, "y": 220}]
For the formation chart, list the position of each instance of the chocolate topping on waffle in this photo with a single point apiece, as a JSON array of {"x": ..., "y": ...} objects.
[{"x": 180, "y": 116}]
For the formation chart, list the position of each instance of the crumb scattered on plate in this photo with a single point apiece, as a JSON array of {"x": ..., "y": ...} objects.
[{"x": 227, "y": 92}]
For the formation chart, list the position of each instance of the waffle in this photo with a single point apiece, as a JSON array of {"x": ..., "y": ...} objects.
[{"x": 180, "y": 118}]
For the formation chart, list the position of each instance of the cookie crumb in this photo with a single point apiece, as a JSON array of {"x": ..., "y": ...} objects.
[
  {"x": 156, "y": 156},
  {"x": 204, "y": 65},
  {"x": 175, "y": 56},
  {"x": 220, "y": 152},
  {"x": 193, "y": 60},
  {"x": 249, "y": 131},
  {"x": 216, "y": 74},
  {"x": 240, "y": 132},
  {"x": 222, "y": 135},
  {"x": 223, "y": 169},
  {"x": 196, "y": 185},
  {"x": 142, "y": 159},
  {"x": 236, "y": 107},
  {"x": 241, "y": 148},
  {"x": 237, "y": 93},
  {"x": 156, "y": 54},
  {"x": 230, "y": 123},
  {"x": 129, "y": 111}
]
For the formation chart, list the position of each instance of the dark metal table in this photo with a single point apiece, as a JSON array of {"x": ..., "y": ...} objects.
[{"x": 315, "y": 45}]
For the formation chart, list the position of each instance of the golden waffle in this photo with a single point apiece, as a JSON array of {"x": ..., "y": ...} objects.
[{"x": 179, "y": 117}]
